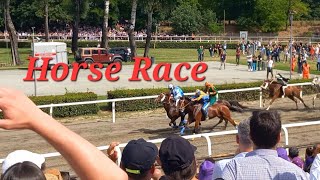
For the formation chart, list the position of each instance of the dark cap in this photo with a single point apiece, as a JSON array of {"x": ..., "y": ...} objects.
[
  {"x": 138, "y": 156},
  {"x": 176, "y": 153}
]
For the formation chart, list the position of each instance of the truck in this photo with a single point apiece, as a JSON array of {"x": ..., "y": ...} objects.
[{"x": 55, "y": 50}]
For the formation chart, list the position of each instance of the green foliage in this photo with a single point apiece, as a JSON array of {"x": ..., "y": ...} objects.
[
  {"x": 68, "y": 111},
  {"x": 186, "y": 19},
  {"x": 147, "y": 104}
]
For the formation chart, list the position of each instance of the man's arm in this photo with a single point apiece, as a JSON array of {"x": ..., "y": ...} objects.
[{"x": 87, "y": 161}]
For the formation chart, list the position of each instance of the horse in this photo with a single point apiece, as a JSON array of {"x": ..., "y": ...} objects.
[
  {"x": 195, "y": 114},
  {"x": 316, "y": 83},
  {"x": 275, "y": 91},
  {"x": 170, "y": 107}
]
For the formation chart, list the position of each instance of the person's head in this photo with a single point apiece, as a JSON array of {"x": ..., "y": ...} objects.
[
  {"x": 207, "y": 84},
  {"x": 282, "y": 153},
  {"x": 265, "y": 129},
  {"x": 23, "y": 171},
  {"x": 293, "y": 152},
  {"x": 177, "y": 158},
  {"x": 316, "y": 149},
  {"x": 138, "y": 159},
  {"x": 170, "y": 86},
  {"x": 206, "y": 170},
  {"x": 198, "y": 92},
  {"x": 309, "y": 151},
  {"x": 243, "y": 136},
  {"x": 20, "y": 156}
]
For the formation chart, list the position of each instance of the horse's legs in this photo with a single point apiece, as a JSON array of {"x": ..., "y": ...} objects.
[
  {"x": 313, "y": 103},
  {"x": 225, "y": 124},
  {"x": 293, "y": 99},
  {"x": 299, "y": 97},
  {"x": 270, "y": 103},
  {"x": 264, "y": 103},
  {"x": 220, "y": 121}
]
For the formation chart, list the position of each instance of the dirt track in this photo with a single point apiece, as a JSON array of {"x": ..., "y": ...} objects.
[{"x": 153, "y": 124}]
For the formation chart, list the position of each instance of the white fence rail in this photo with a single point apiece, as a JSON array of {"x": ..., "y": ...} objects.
[
  {"x": 113, "y": 101},
  {"x": 204, "y": 135}
]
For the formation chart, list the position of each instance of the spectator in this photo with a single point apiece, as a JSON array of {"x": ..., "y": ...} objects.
[
  {"x": 283, "y": 153},
  {"x": 263, "y": 162},
  {"x": 315, "y": 169},
  {"x": 308, "y": 159},
  {"x": 138, "y": 159},
  {"x": 200, "y": 53},
  {"x": 23, "y": 170},
  {"x": 211, "y": 50},
  {"x": 238, "y": 51},
  {"x": 20, "y": 156},
  {"x": 94, "y": 164},
  {"x": 223, "y": 58},
  {"x": 305, "y": 70},
  {"x": 294, "y": 156},
  {"x": 254, "y": 63},
  {"x": 206, "y": 169},
  {"x": 270, "y": 67},
  {"x": 177, "y": 159},
  {"x": 249, "y": 61},
  {"x": 244, "y": 146},
  {"x": 318, "y": 62}
]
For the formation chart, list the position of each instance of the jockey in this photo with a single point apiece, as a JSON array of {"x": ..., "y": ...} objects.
[
  {"x": 176, "y": 92},
  {"x": 283, "y": 81},
  {"x": 212, "y": 91},
  {"x": 203, "y": 98}
]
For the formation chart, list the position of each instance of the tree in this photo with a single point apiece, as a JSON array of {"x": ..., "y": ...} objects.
[
  {"x": 76, "y": 9},
  {"x": 131, "y": 28},
  {"x": 12, "y": 34},
  {"x": 46, "y": 20},
  {"x": 104, "y": 40},
  {"x": 186, "y": 19}
]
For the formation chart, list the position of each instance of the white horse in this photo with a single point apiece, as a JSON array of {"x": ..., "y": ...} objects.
[{"x": 316, "y": 82}]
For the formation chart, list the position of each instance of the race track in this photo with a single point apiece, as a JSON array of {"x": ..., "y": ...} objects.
[{"x": 153, "y": 124}]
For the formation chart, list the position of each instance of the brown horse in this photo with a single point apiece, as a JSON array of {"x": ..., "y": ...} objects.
[
  {"x": 170, "y": 107},
  {"x": 275, "y": 91},
  {"x": 195, "y": 115}
]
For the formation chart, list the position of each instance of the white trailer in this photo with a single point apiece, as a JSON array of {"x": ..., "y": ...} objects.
[{"x": 56, "y": 50}]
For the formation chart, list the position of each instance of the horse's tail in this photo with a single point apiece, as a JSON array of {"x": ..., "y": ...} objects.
[
  {"x": 236, "y": 109},
  {"x": 236, "y": 103}
]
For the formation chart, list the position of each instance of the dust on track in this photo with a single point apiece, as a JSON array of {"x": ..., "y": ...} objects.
[{"x": 100, "y": 131}]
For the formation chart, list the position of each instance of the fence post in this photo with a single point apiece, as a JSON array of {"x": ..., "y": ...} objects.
[
  {"x": 286, "y": 135},
  {"x": 260, "y": 98},
  {"x": 209, "y": 145},
  {"x": 51, "y": 109},
  {"x": 113, "y": 112}
]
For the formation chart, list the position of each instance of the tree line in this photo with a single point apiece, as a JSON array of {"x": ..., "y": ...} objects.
[{"x": 184, "y": 16}]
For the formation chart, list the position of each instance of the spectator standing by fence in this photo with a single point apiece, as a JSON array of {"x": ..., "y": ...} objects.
[
  {"x": 200, "y": 53},
  {"x": 300, "y": 64},
  {"x": 211, "y": 50},
  {"x": 306, "y": 70},
  {"x": 249, "y": 61}
]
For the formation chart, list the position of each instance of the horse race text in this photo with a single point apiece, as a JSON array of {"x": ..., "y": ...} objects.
[{"x": 142, "y": 70}]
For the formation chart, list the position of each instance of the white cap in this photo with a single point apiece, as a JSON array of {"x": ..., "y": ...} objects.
[{"x": 20, "y": 156}]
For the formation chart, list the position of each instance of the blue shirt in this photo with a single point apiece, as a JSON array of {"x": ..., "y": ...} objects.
[
  {"x": 177, "y": 92},
  {"x": 262, "y": 164}
]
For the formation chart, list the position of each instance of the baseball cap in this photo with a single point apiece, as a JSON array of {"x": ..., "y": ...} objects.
[
  {"x": 298, "y": 161},
  {"x": 176, "y": 153},
  {"x": 20, "y": 156},
  {"x": 138, "y": 156},
  {"x": 206, "y": 170},
  {"x": 282, "y": 153}
]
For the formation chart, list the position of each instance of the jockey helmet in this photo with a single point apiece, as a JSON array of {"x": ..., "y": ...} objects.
[
  {"x": 197, "y": 92},
  {"x": 170, "y": 86}
]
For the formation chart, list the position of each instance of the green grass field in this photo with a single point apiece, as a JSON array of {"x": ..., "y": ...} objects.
[{"x": 161, "y": 55}]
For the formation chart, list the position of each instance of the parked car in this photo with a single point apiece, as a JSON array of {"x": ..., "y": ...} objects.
[
  {"x": 125, "y": 52},
  {"x": 98, "y": 55}
]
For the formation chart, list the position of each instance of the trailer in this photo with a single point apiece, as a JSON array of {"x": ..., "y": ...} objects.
[{"x": 55, "y": 50}]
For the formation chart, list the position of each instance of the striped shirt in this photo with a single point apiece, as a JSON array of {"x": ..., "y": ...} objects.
[{"x": 262, "y": 164}]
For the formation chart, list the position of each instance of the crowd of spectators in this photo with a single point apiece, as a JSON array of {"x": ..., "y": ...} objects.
[{"x": 257, "y": 156}]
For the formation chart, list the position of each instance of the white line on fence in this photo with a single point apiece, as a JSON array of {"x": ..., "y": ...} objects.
[{"x": 204, "y": 135}]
